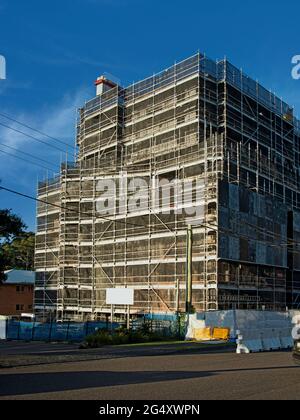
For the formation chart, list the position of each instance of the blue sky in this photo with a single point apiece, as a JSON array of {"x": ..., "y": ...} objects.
[{"x": 55, "y": 50}]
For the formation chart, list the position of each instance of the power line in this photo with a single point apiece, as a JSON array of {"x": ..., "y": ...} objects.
[
  {"x": 33, "y": 138},
  {"x": 208, "y": 226},
  {"x": 47, "y": 144},
  {"x": 66, "y": 208},
  {"x": 26, "y": 160},
  {"x": 78, "y": 212},
  {"x": 36, "y": 130},
  {"x": 211, "y": 227},
  {"x": 28, "y": 154}
]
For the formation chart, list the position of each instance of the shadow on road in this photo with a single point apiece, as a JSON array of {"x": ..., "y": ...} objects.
[{"x": 37, "y": 383}]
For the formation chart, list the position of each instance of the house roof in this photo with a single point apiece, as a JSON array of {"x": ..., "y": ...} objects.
[{"x": 19, "y": 277}]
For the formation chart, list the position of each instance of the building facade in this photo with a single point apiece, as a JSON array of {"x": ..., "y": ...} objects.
[
  {"x": 199, "y": 122},
  {"x": 16, "y": 293}
]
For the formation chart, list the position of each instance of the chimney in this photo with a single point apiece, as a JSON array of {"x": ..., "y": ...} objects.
[{"x": 103, "y": 85}]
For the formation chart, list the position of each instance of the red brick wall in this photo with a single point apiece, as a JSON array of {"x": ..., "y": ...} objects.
[{"x": 10, "y": 298}]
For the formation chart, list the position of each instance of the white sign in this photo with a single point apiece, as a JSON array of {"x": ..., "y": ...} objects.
[{"x": 120, "y": 297}]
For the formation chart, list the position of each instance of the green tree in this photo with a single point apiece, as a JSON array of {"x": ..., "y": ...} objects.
[
  {"x": 19, "y": 253},
  {"x": 11, "y": 227}
]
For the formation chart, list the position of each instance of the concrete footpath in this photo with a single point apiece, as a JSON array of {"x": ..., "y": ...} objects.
[{"x": 16, "y": 354}]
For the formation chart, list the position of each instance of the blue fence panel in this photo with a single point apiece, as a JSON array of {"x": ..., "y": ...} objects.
[
  {"x": 67, "y": 331},
  {"x": 13, "y": 330},
  {"x": 25, "y": 331},
  {"x": 42, "y": 332},
  {"x": 76, "y": 332},
  {"x": 92, "y": 327},
  {"x": 59, "y": 331}
]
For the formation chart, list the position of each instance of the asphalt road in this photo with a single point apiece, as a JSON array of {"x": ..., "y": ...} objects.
[
  {"x": 21, "y": 348},
  {"x": 271, "y": 376},
  {"x": 19, "y": 354}
]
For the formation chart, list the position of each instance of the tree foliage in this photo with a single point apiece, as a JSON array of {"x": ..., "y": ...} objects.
[
  {"x": 11, "y": 225},
  {"x": 16, "y": 246},
  {"x": 19, "y": 253}
]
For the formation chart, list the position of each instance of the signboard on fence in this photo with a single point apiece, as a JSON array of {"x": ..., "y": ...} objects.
[{"x": 119, "y": 296}]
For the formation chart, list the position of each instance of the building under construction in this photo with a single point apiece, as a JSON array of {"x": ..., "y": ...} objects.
[{"x": 198, "y": 121}]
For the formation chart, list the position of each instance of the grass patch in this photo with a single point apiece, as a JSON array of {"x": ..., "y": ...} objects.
[
  {"x": 123, "y": 337},
  {"x": 154, "y": 343},
  {"x": 182, "y": 343}
]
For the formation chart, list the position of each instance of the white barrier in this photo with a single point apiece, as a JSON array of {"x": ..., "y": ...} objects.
[
  {"x": 267, "y": 339},
  {"x": 193, "y": 323},
  {"x": 270, "y": 339},
  {"x": 249, "y": 341},
  {"x": 2, "y": 329},
  {"x": 286, "y": 339},
  {"x": 258, "y": 330},
  {"x": 242, "y": 348}
]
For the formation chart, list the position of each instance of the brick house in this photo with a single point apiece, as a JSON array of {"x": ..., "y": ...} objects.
[{"x": 16, "y": 293}]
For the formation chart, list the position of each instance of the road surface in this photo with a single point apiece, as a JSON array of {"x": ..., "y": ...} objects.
[{"x": 271, "y": 376}]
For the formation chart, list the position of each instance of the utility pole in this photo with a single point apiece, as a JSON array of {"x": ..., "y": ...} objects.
[
  {"x": 112, "y": 311},
  {"x": 189, "y": 269},
  {"x": 128, "y": 317},
  {"x": 178, "y": 308},
  {"x": 177, "y": 297}
]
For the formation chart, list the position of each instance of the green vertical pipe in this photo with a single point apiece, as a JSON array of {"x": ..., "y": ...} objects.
[
  {"x": 177, "y": 296},
  {"x": 189, "y": 270}
]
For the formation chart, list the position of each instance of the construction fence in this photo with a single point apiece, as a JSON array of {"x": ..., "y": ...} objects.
[
  {"x": 52, "y": 331},
  {"x": 166, "y": 326}
]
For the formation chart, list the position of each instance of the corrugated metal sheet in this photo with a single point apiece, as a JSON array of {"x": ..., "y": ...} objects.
[{"x": 20, "y": 277}]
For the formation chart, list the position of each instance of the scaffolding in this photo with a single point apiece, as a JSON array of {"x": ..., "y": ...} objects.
[{"x": 198, "y": 121}]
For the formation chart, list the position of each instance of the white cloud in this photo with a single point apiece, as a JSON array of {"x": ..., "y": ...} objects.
[
  {"x": 56, "y": 120},
  {"x": 61, "y": 120}
]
